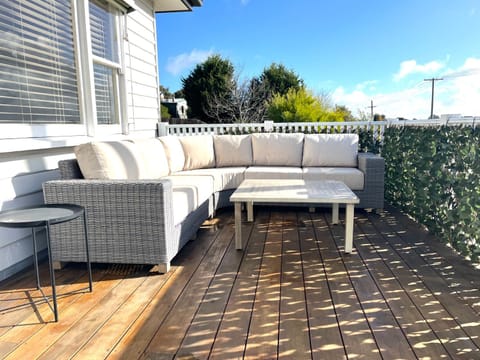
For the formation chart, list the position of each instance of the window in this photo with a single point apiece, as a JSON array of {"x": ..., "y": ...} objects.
[
  {"x": 104, "y": 31},
  {"x": 38, "y": 76},
  {"x": 61, "y": 63}
]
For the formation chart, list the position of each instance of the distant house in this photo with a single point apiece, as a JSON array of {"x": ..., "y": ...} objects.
[
  {"x": 70, "y": 72},
  {"x": 177, "y": 107}
]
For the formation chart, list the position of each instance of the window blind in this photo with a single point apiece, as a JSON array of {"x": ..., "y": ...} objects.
[
  {"x": 103, "y": 30},
  {"x": 38, "y": 77}
]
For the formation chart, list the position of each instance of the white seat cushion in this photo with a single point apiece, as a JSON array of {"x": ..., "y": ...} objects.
[
  {"x": 352, "y": 177},
  {"x": 274, "y": 149},
  {"x": 233, "y": 150},
  {"x": 174, "y": 152},
  {"x": 273, "y": 172},
  {"x": 330, "y": 150},
  {"x": 189, "y": 192},
  {"x": 198, "y": 151},
  {"x": 112, "y": 160},
  {"x": 224, "y": 178}
]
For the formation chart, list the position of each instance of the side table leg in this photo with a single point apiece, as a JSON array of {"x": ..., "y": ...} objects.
[
  {"x": 35, "y": 258},
  {"x": 335, "y": 213},
  {"x": 87, "y": 252},
  {"x": 52, "y": 273},
  {"x": 238, "y": 225},
  {"x": 349, "y": 228}
]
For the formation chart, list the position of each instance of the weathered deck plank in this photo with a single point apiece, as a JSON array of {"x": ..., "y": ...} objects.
[{"x": 292, "y": 293}]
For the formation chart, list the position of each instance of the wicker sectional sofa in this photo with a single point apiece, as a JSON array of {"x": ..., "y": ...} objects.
[{"x": 146, "y": 198}]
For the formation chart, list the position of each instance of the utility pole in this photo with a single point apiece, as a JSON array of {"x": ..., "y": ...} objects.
[
  {"x": 433, "y": 92},
  {"x": 371, "y": 109}
]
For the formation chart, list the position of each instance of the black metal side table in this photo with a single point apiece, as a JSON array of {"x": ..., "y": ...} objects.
[{"x": 45, "y": 216}]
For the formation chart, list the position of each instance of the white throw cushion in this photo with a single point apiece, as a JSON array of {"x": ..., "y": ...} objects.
[
  {"x": 114, "y": 160},
  {"x": 174, "y": 151},
  {"x": 198, "y": 150},
  {"x": 233, "y": 150},
  {"x": 330, "y": 150},
  {"x": 352, "y": 177},
  {"x": 154, "y": 157},
  {"x": 274, "y": 149},
  {"x": 273, "y": 172}
]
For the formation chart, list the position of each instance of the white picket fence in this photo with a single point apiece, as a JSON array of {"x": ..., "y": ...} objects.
[{"x": 377, "y": 127}]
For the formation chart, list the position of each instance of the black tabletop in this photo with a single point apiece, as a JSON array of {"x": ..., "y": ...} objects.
[{"x": 40, "y": 215}]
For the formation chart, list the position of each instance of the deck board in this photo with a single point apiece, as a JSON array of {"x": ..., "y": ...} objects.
[{"x": 292, "y": 293}]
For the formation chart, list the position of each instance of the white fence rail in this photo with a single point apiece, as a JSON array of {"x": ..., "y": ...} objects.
[{"x": 376, "y": 127}]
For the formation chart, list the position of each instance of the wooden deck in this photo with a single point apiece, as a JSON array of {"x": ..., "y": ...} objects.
[{"x": 291, "y": 294}]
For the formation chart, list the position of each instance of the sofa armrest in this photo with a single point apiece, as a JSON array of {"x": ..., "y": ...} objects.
[
  {"x": 373, "y": 167},
  {"x": 368, "y": 162},
  {"x": 120, "y": 213}
]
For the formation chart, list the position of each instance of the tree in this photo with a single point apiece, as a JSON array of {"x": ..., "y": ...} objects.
[
  {"x": 212, "y": 78},
  {"x": 246, "y": 102},
  {"x": 300, "y": 106},
  {"x": 165, "y": 93},
  {"x": 165, "y": 113},
  {"x": 278, "y": 79},
  {"x": 344, "y": 112}
]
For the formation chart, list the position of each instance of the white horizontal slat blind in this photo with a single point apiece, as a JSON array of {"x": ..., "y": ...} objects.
[
  {"x": 104, "y": 34},
  {"x": 38, "y": 77}
]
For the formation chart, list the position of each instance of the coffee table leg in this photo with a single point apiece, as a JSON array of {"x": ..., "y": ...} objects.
[
  {"x": 250, "y": 211},
  {"x": 349, "y": 228},
  {"x": 238, "y": 225},
  {"x": 335, "y": 213}
]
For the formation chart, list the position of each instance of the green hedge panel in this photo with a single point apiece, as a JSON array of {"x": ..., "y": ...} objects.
[{"x": 433, "y": 174}]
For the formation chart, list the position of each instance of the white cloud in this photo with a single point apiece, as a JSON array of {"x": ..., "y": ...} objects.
[
  {"x": 244, "y": 2},
  {"x": 458, "y": 93},
  {"x": 177, "y": 64},
  {"x": 411, "y": 67}
]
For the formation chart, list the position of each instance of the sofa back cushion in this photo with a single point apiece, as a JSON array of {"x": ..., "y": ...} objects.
[
  {"x": 233, "y": 150},
  {"x": 111, "y": 160},
  {"x": 199, "y": 152},
  {"x": 174, "y": 151},
  {"x": 274, "y": 149},
  {"x": 330, "y": 150},
  {"x": 154, "y": 157}
]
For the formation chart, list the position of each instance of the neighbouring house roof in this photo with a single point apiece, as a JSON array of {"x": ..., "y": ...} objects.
[{"x": 175, "y": 5}]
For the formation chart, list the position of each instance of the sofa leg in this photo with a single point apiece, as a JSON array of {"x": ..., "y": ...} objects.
[
  {"x": 163, "y": 268},
  {"x": 58, "y": 265}
]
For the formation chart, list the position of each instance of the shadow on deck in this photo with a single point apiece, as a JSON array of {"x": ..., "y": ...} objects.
[{"x": 291, "y": 293}]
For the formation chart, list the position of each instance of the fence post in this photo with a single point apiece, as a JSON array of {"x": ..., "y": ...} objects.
[{"x": 162, "y": 128}]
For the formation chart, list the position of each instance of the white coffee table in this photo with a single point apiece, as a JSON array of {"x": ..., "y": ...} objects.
[{"x": 332, "y": 192}]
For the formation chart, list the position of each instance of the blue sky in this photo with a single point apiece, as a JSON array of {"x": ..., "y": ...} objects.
[{"x": 356, "y": 51}]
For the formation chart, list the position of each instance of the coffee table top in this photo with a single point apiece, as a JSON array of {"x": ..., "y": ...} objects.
[{"x": 294, "y": 191}]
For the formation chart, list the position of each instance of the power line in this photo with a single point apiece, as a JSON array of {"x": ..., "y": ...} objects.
[{"x": 433, "y": 92}]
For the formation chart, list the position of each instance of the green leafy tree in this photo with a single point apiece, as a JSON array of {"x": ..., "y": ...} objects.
[
  {"x": 277, "y": 79},
  {"x": 300, "y": 106},
  {"x": 164, "y": 112},
  {"x": 212, "y": 78},
  {"x": 345, "y": 113},
  {"x": 165, "y": 92}
]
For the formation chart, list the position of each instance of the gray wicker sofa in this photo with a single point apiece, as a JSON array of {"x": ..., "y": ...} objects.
[{"x": 146, "y": 198}]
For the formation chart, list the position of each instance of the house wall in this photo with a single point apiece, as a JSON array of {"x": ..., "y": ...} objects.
[{"x": 29, "y": 158}]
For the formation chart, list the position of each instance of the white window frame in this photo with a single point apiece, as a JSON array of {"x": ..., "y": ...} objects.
[{"x": 26, "y": 136}]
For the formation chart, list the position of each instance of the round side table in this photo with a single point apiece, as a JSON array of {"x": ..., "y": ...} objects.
[{"x": 45, "y": 216}]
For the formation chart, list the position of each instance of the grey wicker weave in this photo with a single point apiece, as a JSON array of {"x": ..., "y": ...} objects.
[
  {"x": 128, "y": 221},
  {"x": 132, "y": 221}
]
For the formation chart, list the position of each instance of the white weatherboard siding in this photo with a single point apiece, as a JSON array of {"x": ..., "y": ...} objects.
[
  {"x": 27, "y": 159},
  {"x": 141, "y": 69}
]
